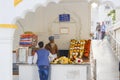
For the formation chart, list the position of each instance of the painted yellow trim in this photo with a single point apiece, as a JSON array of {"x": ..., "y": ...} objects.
[
  {"x": 8, "y": 26},
  {"x": 16, "y": 2}
]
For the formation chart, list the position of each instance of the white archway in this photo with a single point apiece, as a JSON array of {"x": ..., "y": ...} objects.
[{"x": 7, "y": 28}]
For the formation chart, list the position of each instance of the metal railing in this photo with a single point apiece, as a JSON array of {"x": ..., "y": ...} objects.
[
  {"x": 114, "y": 42},
  {"x": 113, "y": 37}
]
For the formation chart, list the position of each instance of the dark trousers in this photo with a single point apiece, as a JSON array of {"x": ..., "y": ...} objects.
[
  {"x": 102, "y": 35},
  {"x": 43, "y": 72}
]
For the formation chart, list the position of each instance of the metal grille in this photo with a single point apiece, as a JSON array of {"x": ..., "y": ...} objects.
[{"x": 115, "y": 44}]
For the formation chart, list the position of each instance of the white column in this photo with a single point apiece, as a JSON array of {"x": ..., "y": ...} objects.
[{"x": 6, "y": 43}]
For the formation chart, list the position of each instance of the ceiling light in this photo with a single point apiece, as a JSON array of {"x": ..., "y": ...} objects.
[{"x": 94, "y": 5}]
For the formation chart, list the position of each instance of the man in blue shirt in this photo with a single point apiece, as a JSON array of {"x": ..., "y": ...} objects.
[
  {"x": 43, "y": 61},
  {"x": 103, "y": 29}
]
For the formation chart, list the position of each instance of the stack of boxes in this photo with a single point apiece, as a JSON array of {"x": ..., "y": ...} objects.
[{"x": 28, "y": 40}]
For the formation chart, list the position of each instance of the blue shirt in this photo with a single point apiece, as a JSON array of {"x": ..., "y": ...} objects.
[
  {"x": 42, "y": 57},
  {"x": 103, "y": 27}
]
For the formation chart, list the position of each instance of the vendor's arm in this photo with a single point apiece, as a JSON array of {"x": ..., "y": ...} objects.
[
  {"x": 50, "y": 57},
  {"x": 56, "y": 48}
]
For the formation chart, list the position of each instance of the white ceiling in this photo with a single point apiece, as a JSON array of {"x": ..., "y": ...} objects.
[{"x": 115, "y": 3}]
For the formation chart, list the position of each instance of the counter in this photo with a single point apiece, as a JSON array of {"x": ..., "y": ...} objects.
[{"x": 57, "y": 72}]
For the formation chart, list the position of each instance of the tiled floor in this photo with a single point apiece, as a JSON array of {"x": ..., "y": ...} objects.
[{"x": 15, "y": 77}]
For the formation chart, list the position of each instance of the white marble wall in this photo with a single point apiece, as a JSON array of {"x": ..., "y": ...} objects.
[
  {"x": 6, "y": 38},
  {"x": 57, "y": 72},
  {"x": 45, "y": 22}
]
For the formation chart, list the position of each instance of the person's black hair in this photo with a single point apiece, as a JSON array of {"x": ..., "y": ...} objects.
[{"x": 41, "y": 44}]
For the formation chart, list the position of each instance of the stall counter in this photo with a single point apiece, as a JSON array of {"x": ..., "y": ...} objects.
[{"x": 57, "y": 72}]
